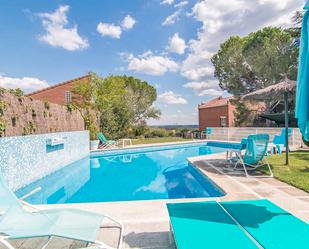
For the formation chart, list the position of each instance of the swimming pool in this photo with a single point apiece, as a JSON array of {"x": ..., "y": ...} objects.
[{"x": 148, "y": 173}]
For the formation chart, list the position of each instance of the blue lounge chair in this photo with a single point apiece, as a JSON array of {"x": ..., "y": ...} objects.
[
  {"x": 279, "y": 140},
  {"x": 199, "y": 225},
  {"x": 16, "y": 222},
  {"x": 241, "y": 147},
  {"x": 255, "y": 154},
  {"x": 237, "y": 224},
  {"x": 104, "y": 143},
  {"x": 207, "y": 132}
]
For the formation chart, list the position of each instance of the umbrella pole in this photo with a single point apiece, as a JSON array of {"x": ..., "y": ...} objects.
[{"x": 286, "y": 118}]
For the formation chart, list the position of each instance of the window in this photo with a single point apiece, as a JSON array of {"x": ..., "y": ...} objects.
[
  {"x": 222, "y": 121},
  {"x": 68, "y": 97}
]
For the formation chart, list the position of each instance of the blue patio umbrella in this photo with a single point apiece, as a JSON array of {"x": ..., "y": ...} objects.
[{"x": 302, "y": 92}]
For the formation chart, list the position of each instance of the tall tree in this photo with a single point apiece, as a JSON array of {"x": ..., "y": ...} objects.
[
  {"x": 263, "y": 58},
  {"x": 122, "y": 102}
]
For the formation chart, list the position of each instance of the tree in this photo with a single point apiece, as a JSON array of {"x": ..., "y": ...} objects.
[
  {"x": 231, "y": 69},
  {"x": 122, "y": 103},
  {"x": 260, "y": 59},
  {"x": 127, "y": 105},
  {"x": 295, "y": 30},
  {"x": 246, "y": 64},
  {"x": 83, "y": 97}
]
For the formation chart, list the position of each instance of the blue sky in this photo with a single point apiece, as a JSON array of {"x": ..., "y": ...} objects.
[{"x": 169, "y": 43}]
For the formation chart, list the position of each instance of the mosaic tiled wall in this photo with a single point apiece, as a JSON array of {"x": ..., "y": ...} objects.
[{"x": 25, "y": 159}]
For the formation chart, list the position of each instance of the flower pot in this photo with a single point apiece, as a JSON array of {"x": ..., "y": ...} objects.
[{"x": 94, "y": 144}]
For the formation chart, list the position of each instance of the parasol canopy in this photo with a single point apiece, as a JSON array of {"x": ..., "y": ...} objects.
[
  {"x": 302, "y": 92},
  {"x": 272, "y": 92}
]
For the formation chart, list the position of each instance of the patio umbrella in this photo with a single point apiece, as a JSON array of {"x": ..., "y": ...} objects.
[
  {"x": 302, "y": 92},
  {"x": 275, "y": 92}
]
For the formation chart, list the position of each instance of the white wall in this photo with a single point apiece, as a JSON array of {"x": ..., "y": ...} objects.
[
  {"x": 24, "y": 159},
  {"x": 237, "y": 133}
]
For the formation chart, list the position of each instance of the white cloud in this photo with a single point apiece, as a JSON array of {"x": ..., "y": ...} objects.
[
  {"x": 113, "y": 30},
  {"x": 172, "y": 98},
  {"x": 109, "y": 29},
  {"x": 27, "y": 84},
  {"x": 177, "y": 44},
  {"x": 202, "y": 88},
  {"x": 168, "y": 2},
  {"x": 221, "y": 20},
  {"x": 57, "y": 34},
  {"x": 181, "y": 4},
  {"x": 172, "y": 18},
  {"x": 201, "y": 85},
  {"x": 128, "y": 22},
  {"x": 197, "y": 73},
  {"x": 151, "y": 64},
  {"x": 211, "y": 92},
  {"x": 156, "y": 186}
]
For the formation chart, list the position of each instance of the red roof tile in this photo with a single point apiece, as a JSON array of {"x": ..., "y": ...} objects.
[
  {"x": 220, "y": 101},
  {"x": 60, "y": 84}
]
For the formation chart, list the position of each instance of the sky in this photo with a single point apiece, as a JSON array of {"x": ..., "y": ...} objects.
[{"x": 168, "y": 43}]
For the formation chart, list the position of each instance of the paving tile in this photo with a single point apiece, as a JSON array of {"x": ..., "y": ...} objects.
[
  {"x": 293, "y": 191},
  {"x": 306, "y": 199},
  {"x": 238, "y": 196},
  {"x": 147, "y": 222}
]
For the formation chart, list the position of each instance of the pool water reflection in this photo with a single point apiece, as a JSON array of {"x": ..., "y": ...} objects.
[{"x": 158, "y": 174}]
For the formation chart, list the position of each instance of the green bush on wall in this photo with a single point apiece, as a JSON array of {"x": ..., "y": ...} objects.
[
  {"x": 2, "y": 127},
  {"x": 46, "y": 104}
]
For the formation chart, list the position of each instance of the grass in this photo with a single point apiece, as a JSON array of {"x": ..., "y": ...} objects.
[
  {"x": 159, "y": 140},
  {"x": 296, "y": 173}
]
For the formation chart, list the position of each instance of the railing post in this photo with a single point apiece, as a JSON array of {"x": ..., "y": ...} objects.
[{"x": 228, "y": 134}]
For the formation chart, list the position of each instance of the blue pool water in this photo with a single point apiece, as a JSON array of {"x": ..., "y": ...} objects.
[{"x": 139, "y": 174}]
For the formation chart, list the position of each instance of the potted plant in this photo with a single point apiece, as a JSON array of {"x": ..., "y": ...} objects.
[
  {"x": 93, "y": 130},
  {"x": 94, "y": 143}
]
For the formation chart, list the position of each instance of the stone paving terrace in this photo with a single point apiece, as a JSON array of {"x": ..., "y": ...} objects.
[{"x": 147, "y": 223}]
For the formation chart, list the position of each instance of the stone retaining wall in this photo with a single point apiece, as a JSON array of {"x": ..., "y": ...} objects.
[{"x": 25, "y": 116}]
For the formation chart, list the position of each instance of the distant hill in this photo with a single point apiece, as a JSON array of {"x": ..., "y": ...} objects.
[{"x": 170, "y": 127}]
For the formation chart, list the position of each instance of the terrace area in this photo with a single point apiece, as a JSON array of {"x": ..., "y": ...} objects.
[
  {"x": 193, "y": 133},
  {"x": 147, "y": 222}
]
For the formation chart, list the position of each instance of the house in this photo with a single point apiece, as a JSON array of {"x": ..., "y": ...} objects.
[
  {"x": 218, "y": 112},
  {"x": 60, "y": 93}
]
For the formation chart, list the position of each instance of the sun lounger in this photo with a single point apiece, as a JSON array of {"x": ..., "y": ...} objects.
[
  {"x": 18, "y": 222},
  {"x": 238, "y": 224},
  {"x": 202, "y": 225},
  {"x": 104, "y": 143},
  {"x": 270, "y": 225},
  {"x": 255, "y": 154}
]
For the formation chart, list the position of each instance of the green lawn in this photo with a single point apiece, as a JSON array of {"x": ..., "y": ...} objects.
[
  {"x": 158, "y": 140},
  {"x": 297, "y": 173}
]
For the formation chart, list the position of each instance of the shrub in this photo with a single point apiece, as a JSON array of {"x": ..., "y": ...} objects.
[
  {"x": 140, "y": 130},
  {"x": 46, "y": 104},
  {"x": 70, "y": 107},
  {"x": 148, "y": 135},
  {"x": 17, "y": 92},
  {"x": 14, "y": 120},
  {"x": 171, "y": 133},
  {"x": 2, "y": 127},
  {"x": 159, "y": 132},
  {"x": 91, "y": 127},
  {"x": 2, "y": 107},
  {"x": 33, "y": 113},
  {"x": 2, "y": 90}
]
